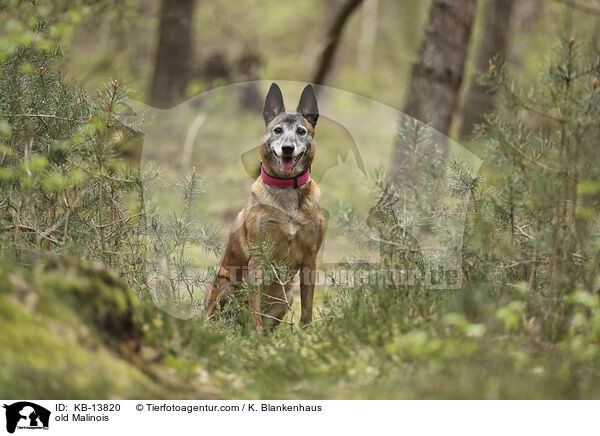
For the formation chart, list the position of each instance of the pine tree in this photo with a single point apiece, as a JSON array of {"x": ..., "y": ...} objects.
[
  {"x": 175, "y": 277},
  {"x": 543, "y": 152},
  {"x": 419, "y": 213},
  {"x": 63, "y": 188}
]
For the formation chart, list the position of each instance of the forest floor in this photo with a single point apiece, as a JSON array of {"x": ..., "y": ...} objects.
[{"x": 60, "y": 340}]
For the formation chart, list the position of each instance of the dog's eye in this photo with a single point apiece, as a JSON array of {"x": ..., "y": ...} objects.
[
  {"x": 301, "y": 131},
  {"x": 278, "y": 130}
]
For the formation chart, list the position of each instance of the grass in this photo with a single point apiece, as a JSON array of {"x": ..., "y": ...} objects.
[
  {"x": 374, "y": 353},
  {"x": 477, "y": 342}
]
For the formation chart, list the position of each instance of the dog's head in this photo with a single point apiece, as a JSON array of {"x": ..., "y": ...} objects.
[{"x": 288, "y": 146}]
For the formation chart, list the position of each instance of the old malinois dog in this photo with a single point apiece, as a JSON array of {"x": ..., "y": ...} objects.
[{"x": 284, "y": 209}]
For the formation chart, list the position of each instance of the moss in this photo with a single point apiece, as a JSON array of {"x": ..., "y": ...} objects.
[
  {"x": 97, "y": 298},
  {"x": 46, "y": 358},
  {"x": 68, "y": 331}
]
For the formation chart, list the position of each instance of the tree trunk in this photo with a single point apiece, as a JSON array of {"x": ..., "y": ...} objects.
[
  {"x": 173, "y": 54},
  {"x": 249, "y": 70},
  {"x": 368, "y": 36},
  {"x": 493, "y": 42},
  {"x": 438, "y": 70},
  {"x": 332, "y": 40}
]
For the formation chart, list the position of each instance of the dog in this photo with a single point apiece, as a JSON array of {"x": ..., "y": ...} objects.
[{"x": 284, "y": 209}]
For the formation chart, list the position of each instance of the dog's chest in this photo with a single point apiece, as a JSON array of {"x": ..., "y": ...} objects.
[
  {"x": 286, "y": 227},
  {"x": 293, "y": 224},
  {"x": 292, "y": 229}
]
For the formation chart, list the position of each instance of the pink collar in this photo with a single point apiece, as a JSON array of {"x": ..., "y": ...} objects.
[{"x": 285, "y": 183}]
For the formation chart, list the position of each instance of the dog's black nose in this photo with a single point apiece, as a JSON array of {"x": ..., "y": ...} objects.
[{"x": 287, "y": 149}]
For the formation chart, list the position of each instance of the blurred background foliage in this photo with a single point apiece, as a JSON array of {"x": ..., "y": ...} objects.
[
  {"x": 75, "y": 292},
  {"x": 286, "y": 42}
]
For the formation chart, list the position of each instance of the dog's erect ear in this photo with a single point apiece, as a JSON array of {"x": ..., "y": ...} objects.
[
  {"x": 273, "y": 103},
  {"x": 308, "y": 105}
]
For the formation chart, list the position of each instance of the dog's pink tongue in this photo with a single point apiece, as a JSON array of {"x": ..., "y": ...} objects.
[{"x": 286, "y": 165}]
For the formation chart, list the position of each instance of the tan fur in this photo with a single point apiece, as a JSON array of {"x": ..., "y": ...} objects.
[{"x": 293, "y": 221}]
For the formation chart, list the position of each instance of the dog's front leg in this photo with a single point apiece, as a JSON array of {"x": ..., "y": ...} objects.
[
  {"x": 254, "y": 296},
  {"x": 307, "y": 287}
]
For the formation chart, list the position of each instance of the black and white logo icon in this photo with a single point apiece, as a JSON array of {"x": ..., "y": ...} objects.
[{"x": 26, "y": 415}]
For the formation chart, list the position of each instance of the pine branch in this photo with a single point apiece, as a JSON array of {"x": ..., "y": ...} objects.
[{"x": 40, "y": 116}]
